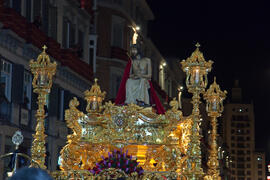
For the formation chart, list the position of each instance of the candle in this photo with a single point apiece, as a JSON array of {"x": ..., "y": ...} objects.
[
  {"x": 94, "y": 103},
  {"x": 214, "y": 107},
  {"x": 179, "y": 99},
  {"x": 197, "y": 76}
]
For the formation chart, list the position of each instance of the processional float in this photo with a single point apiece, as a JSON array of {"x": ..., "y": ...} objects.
[{"x": 131, "y": 142}]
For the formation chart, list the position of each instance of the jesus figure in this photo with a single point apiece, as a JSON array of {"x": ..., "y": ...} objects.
[{"x": 138, "y": 82}]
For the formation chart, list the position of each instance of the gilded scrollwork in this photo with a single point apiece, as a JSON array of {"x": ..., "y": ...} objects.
[{"x": 160, "y": 141}]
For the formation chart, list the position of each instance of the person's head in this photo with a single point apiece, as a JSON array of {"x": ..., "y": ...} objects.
[{"x": 31, "y": 174}]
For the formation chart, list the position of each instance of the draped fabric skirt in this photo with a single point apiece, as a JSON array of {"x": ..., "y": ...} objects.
[{"x": 137, "y": 89}]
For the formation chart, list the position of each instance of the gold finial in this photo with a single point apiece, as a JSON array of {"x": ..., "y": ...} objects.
[
  {"x": 197, "y": 45},
  {"x": 96, "y": 80},
  {"x": 44, "y": 48},
  {"x": 215, "y": 79}
]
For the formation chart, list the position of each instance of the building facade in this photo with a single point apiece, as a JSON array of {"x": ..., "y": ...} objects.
[
  {"x": 86, "y": 38},
  {"x": 64, "y": 26},
  {"x": 239, "y": 134}
]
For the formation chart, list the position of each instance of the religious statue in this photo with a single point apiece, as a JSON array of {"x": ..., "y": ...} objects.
[{"x": 137, "y": 85}]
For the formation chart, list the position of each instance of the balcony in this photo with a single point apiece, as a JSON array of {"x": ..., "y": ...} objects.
[{"x": 32, "y": 34}]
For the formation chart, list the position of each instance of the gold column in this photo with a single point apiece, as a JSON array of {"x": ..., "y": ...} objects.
[
  {"x": 43, "y": 71},
  {"x": 196, "y": 69},
  {"x": 214, "y": 107}
]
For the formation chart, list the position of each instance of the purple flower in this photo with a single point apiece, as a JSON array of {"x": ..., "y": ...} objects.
[
  {"x": 109, "y": 165},
  {"x": 102, "y": 157},
  {"x": 126, "y": 162},
  {"x": 118, "y": 164},
  {"x": 126, "y": 169}
]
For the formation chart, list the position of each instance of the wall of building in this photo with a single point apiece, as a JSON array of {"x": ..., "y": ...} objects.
[{"x": 17, "y": 47}]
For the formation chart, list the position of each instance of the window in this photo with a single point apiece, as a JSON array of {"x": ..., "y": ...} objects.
[
  {"x": 28, "y": 10},
  {"x": 117, "y": 31},
  {"x": 61, "y": 102},
  {"x": 240, "y": 152},
  {"x": 27, "y": 90},
  {"x": 92, "y": 51},
  {"x": 68, "y": 34},
  {"x": 80, "y": 43},
  {"x": 53, "y": 22},
  {"x": 6, "y": 73},
  {"x": 260, "y": 166},
  {"x": 242, "y": 166},
  {"x": 260, "y": 173},
  {"x": 248, "y": 166},
  {"x": 240, "y": 145}
]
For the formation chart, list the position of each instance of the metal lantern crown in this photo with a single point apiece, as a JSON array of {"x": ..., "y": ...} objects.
[
  {"x": 214, "y": 98},
  {"x": 94, "y": 98},
  {"x": 196, "y": 69},
  {"x": 43, "y": 71}
]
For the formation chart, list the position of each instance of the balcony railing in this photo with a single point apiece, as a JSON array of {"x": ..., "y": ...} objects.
[{"x": 32, "y": 34}]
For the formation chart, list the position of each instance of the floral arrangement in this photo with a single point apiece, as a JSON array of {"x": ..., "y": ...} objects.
[{"x": 118, "y": 160}]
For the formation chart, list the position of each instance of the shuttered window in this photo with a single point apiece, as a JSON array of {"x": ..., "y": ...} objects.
[
  {"x": 53, "y": 22},
  {"x": 68, "y": 34},
  {"x": 28, "y": 10},
  {"x": 45, "y": 16},
  {"x": 36, "y": 9},
  {"x": 117, "y": 31},
  {"x": 6, "y": 75},
  {"x": 27, "y": 90}
]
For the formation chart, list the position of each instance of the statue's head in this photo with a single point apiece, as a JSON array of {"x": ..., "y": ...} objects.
[{"x": 135, "y": 52}]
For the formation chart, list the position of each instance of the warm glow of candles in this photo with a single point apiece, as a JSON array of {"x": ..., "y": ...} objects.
[
  {"x": 214, "y": 107},
  {"x": 197, "y": 75}
]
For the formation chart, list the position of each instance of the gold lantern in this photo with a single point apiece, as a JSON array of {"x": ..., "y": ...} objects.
[
  {"x": 214, "y": 106},
  {"x": 94, "y": 98},
  {"x": 196, "y": 69},
  {"x": 214, "y": 98},
  {"x": 43, "y": 71}
]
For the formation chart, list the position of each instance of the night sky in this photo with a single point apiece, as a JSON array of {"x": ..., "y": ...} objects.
[{"x": 234, "y": 34}]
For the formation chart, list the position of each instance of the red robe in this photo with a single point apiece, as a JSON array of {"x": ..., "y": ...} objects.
[{"x": 121, "y": 95}]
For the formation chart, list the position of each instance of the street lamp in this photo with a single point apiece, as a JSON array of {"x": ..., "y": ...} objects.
[
  {"x": 43, "y": 71},
  {"x": 214, "y": 106},
  {"x": 196, "y": 69}
]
